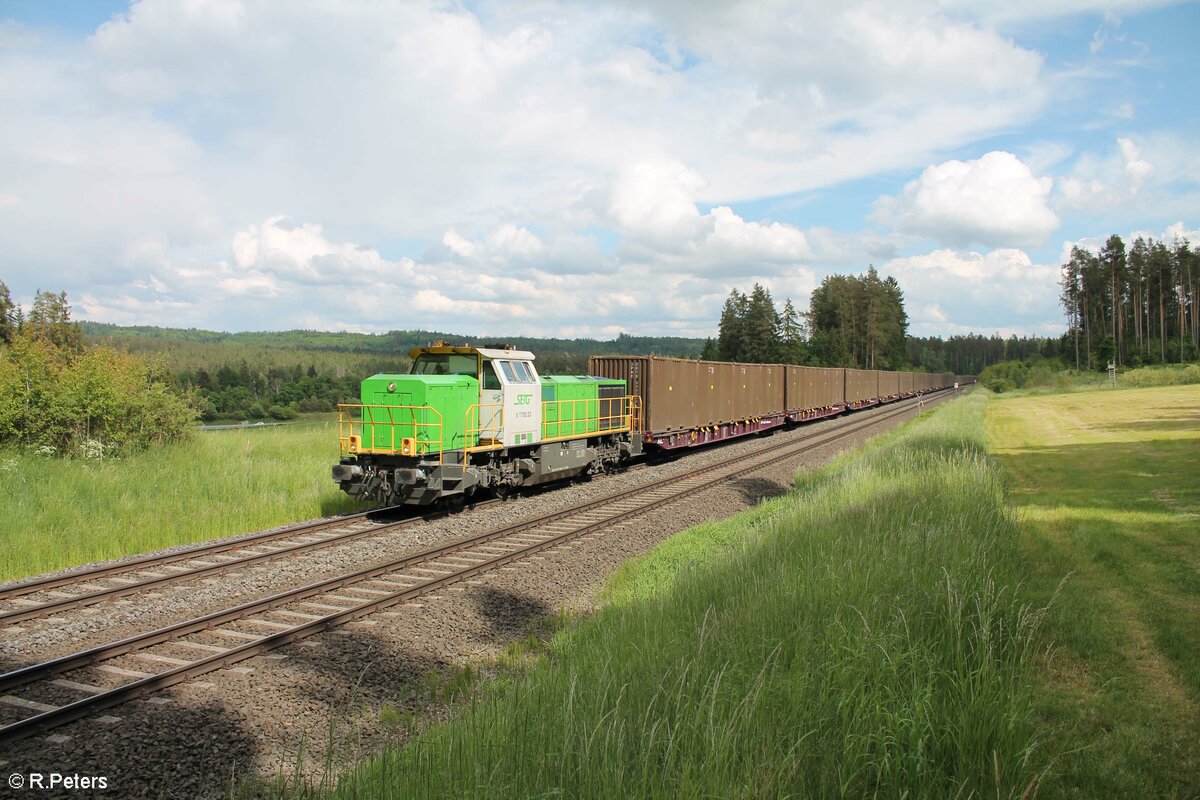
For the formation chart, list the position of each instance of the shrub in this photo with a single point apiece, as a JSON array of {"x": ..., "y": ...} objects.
[
  {"x": 89, "y": 402},
  {"x": 1161, "y": 376},
  {"x": 282, "y": 412}
]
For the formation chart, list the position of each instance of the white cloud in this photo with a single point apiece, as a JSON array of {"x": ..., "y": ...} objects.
[
  {"x": 993, "y": 200},
  {"x": 955, "y": 291},
  {"x": 1180, "y": 231},
  {"x": 1171, "y": 233},
  {"x": 590, "y": 159},
  {"x": 1107, "y": 183}
]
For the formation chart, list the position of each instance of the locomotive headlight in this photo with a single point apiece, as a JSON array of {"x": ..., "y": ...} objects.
[
  {"x": 354, "y": 444},
  {"x": 408, "y": 446}
]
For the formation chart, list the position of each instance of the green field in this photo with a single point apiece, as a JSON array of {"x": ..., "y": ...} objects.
[
  {"x": 57, "y": 513},
  {"x": 1107, "y": 486},
  {"x": 864, "y": 635}
]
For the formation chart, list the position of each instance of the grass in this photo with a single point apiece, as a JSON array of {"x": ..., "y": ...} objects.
[
  {"x": 57, "y": 513},
  {"x": 1042, "y": 380},
  {"x": 1107, "y": 486},
  {"x": 864, "y": 635}
]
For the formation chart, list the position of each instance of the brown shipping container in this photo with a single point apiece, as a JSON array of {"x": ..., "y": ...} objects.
[
  {"x": 679, "y": 394},
  {"x": 814, "y": 387},
  {"x": 889, "y": 383},
  {"x": 908, "y": 383},
  {"x": 861, "y": 385}
]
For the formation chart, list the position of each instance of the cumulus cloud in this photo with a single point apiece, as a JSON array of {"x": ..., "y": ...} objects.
[
  {"x": 1108, "y": 182},
  {"x": 1176, "y": 231},
  {"x": 480, "y": 168},
  {"x": 956, "y": 291},
  {"x": 282, "y": 272},
  {"x": 189, "y": 120},
  {"x": 994, "y": 200}
]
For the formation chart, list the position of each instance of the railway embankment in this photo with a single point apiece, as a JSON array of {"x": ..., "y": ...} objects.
[
  {"x": 866, "y": 633},
  {"x": 367, "y": 682}
]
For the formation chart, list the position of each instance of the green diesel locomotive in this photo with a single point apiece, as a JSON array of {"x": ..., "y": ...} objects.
[{"x": 471, "y": 418}]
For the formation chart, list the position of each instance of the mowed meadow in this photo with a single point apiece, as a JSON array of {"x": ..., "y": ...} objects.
[
  {"x": 58, "y": 513},
  {"x": 1106, "y": 486}
]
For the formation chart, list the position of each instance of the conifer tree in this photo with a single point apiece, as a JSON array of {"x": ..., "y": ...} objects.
[{"x": 8, "y": 316}]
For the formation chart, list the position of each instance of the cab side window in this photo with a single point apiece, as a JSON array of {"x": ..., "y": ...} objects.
[
  {"x": 524, "y": 373},
  {"x": 490, "y": 379}
]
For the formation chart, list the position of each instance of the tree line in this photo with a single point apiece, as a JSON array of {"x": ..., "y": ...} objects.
[
  {"x": 59, "y": 397},
  {"x": 1132, "y": 306},
  {"x": 852, "y": 321}
]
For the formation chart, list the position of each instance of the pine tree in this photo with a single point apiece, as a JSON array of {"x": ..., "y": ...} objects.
[
  {"x": 1112, "y": 257},
  {"x": 8, "y": 316},
  {"x": 760, "y": 328},
  {"x": 50, "y": 319},
  {"x": 791, "y": 335}
]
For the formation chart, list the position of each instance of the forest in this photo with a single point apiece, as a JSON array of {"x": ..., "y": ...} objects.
[
  {"x": 855, "y": 321},
  {"x": 1132, "y": 306}
]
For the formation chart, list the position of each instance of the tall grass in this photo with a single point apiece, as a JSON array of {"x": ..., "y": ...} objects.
[
  {"x": 56, "y": 513},
  {"x": 1173, "y": 375},
  {"x": 864, "y": 635}
]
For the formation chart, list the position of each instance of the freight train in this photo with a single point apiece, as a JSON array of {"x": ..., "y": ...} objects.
[{"x": 466, "y": 419}]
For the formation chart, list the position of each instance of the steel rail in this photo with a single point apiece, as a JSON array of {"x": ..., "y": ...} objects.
[
  {"x": 24, "y": 675},
  {"x": 106, "y": 699},
  {"x": 10, "y": 590},
  {"x": 36, "y": 611},
  {"x": 111, "y": 593}
]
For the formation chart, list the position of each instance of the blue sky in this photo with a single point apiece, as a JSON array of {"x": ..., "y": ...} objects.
[{"x": 582, "y": 168}]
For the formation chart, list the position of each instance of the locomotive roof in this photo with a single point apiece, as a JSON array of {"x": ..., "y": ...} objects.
[{"x": 486, "y": 352}]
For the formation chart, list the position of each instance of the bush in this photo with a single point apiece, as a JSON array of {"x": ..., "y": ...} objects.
[
  {"x": 86, "y": 402},
  {"x": 1008, "y": 375},
  {"x": 282, "y": 412},
  {"x": 1161, "y": 376}
]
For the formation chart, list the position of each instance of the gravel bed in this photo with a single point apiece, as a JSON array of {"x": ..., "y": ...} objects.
[{"x": 260, "y": 720}]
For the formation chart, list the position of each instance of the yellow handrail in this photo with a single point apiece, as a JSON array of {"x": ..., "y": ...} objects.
[
  {"x": 473, "y": 432},
  {"x": 625, "y": 416},
  {"x": 420, "y": 429}
]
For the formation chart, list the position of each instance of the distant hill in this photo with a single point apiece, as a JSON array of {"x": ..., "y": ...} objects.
[{"x": 395, "y": 343}]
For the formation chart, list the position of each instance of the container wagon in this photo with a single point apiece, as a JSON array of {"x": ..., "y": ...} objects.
[
  {"x": 889, "y": 386},
  {"x": 689, "y": 403},
  {"x": 862, "y": 388},
  {"x": 814, "y": 392}
]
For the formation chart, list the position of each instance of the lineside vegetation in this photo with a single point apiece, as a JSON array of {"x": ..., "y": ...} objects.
[
  {"x": 58, "y": 397},
  {"x": 863, "y": 635},
  {"x": 61, "y": 513},
  {"x": 1044, "y": 375}
]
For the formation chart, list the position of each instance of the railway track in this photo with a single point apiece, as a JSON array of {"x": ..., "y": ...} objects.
[
  {"x": 30, "y": 600},
  {"x": 114, "y": 673}
]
